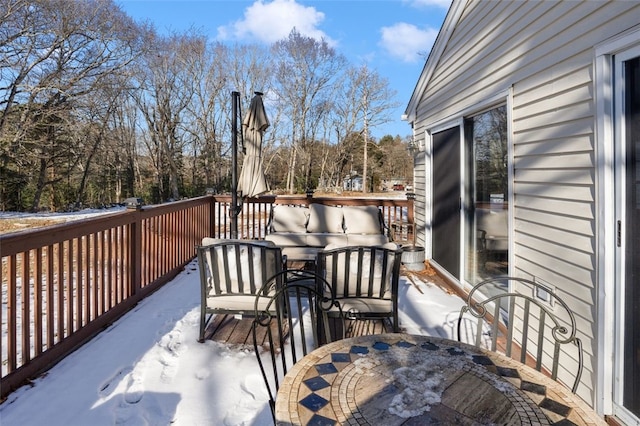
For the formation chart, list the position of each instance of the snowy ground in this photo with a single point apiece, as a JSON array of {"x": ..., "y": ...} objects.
[{"x": 149, "y": 369}]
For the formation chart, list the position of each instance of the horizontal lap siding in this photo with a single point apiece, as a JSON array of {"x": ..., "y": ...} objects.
[
  {"x": 422, "y": 187},
  {"x": 544, "y": 52},
  {"x": 554, "y": 168}
]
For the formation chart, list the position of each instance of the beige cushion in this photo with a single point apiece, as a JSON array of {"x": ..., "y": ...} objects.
[
  {"x": 367, "y": 239},
  {"x": 239, "y": 303},
  {"x": 321, "y": 240},
  {"x": 287, "y": 239},
  {"x": 238, "y": 267},
  {"x": 325, "y": 219},
  {"x": 361, "y": 220},
  {"x": 207, "y": 241},
  {"x": 363, "y": 305},
  {"x": 289, "y": 219},
  {"x": 342, "y": 279},
  {"x": 384, "y": 244}
]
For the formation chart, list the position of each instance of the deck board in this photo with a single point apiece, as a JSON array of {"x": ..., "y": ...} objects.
[{"x": 237, "y": 331}]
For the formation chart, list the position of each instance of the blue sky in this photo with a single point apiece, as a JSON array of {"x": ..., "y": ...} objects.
[{"x": 390, "y": 36}]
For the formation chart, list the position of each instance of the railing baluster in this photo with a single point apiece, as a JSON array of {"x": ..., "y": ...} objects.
[
  {"x": 12, "y": 317},
  {"x": 37, "y": 302},
  {"x": 50, "y": 310},
  {"x": 87, "y": 280},
  {"x": 25, "y": 298},
  {"x": 60, "y": 291}
]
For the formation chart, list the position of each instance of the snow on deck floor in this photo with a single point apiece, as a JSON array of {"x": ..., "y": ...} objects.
[{"x": 149, "y": 369}]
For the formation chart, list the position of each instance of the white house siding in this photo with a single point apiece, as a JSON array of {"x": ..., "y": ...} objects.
[
  {"x": 420, "y": 185},
  {"x": 543, "y": 51}
]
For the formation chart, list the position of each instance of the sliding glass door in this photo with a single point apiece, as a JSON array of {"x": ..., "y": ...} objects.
[
  {"x": 446, "y": 200},
  {"x": 628, "y": 224}
]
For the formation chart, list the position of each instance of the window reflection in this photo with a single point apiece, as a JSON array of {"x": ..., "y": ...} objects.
[{"x": 487, "y": 194}]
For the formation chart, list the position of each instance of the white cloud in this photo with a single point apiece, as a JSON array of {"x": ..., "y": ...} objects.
[
  {"x": 407, "y": 42},
  {"x": 269, "y": 22}
]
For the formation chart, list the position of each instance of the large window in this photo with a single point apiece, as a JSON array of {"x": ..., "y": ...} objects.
[{"x": 486, "y": 207}]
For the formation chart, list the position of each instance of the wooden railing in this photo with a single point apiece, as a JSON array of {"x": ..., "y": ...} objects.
[{"x": 63, "y": 284}]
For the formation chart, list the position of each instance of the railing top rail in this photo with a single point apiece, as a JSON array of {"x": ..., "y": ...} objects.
[
  {"x": 24, "y": 240},
  {"x": 20, "y": 241},
  {"x": 304, "y": 200}
]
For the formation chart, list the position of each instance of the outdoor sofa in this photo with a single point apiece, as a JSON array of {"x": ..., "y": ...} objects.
[{"x": 303, "y": 231}]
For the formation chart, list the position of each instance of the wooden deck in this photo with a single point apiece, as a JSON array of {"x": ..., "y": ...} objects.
[
  {"x": 230, "y": 329},
  {"x": 237, "y": 331}
]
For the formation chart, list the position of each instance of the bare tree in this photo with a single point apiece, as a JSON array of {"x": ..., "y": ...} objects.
[
  {"x": 370, "y": 102},
  {"x": 59, "y": 53},
  {"x": 120, "y": 152},
  {"x": 165, "y": 91},
  {"x": 204, "y": 121},
  {"x": 305, "y": 71},
  {"x": 94, "y": 108}
]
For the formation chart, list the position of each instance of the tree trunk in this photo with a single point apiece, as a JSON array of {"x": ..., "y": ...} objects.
[{"x": 42, "y": 178}]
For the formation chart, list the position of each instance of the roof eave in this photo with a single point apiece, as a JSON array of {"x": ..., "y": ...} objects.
[{"x": 453, "y": 15}]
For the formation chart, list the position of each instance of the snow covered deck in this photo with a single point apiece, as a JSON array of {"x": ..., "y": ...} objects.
[{"x": 148, "y": 368}]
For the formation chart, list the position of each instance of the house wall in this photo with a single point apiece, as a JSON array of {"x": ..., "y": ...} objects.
[{"x": 542, "y": 54}]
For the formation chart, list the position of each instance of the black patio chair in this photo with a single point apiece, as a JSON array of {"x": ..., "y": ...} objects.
[
  {"x": 526, "y": 321},
  {"x": 231, "y": 275},
  {"x": 364, "y": 279},
  {"x": 286, "y": 328}
]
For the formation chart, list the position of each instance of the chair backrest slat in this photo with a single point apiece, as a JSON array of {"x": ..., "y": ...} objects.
[
  {"x": 540, "y": 343},
  {"x": 512, "y": 310},
  {"x": 479, "y": 334},
  {"x": 525, "y": 330},
  {"x": 385, "y": 266},
  {"x": 494, "y": 329}
]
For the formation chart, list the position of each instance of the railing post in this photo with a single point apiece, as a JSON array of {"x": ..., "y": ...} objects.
[
  {"x": 212, "y": 218},
  {"x": 410, "y": 206},
  {"x": 135, "y": 253},
  {"x": 411, "y": 197}
]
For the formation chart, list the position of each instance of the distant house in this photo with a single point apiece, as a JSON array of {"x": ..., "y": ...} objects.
[
  {"x": 352, "y": 183},
  {"x": 527, "y": 116}
]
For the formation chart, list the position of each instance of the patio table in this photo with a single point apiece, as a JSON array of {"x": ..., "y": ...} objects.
[{"x": 395, "y": 379}]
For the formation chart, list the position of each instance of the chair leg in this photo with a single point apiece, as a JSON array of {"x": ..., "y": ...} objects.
[
  {"x": 203, "y": 325},
  {"x": 201, "y": 336}
]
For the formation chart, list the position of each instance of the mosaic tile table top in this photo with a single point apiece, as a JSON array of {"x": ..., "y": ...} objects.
[{"x": 401, "y": 379}]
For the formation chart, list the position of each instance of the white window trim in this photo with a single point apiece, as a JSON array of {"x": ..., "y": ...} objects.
[{"x": 606, "y": 214}]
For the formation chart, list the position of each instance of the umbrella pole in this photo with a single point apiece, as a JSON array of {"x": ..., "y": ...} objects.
[{"x": 234, "y": 166}]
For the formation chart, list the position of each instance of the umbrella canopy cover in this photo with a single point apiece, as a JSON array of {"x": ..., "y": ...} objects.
[{"x": 252, "y": 181}]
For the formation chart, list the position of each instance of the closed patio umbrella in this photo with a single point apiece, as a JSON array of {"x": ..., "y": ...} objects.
[{"x": 252, "y": 181}]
